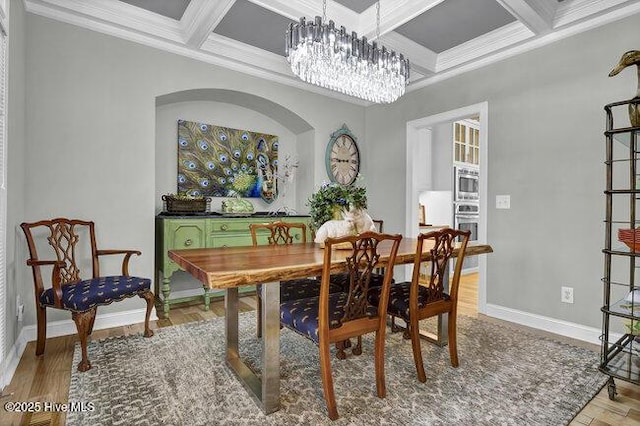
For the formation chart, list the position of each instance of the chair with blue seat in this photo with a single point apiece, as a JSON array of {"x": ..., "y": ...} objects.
[
  {"x": 415, "y": 300},
  {"x": 335, "y": 317},
  {"x": 63, "y": 240},
  {"x": 279, "y": 233}
]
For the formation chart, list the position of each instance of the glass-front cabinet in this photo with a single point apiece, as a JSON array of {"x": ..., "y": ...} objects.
[{"x": 466, "y": 142}]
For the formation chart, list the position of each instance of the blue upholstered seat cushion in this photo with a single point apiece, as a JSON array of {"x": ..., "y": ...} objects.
[
  {"x": 399, "y": 298},
  {"x": 302, "y": 288},
  {"x": 84, "y": 295},
  {"x": 342, "y": 281},
  {"x": 301, "y": 315}
]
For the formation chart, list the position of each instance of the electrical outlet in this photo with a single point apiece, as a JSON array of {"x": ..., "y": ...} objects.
[{"x": 566, "y": 294}]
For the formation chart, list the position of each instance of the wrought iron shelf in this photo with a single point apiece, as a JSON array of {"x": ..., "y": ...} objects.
[{"x": 620, "y": 351}]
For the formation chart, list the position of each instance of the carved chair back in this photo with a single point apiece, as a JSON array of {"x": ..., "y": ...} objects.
[
  {"x": 440, "y": 245},
  {"x": 362, "y": 259},
  {"x": 64, "y": 239},
  {"x": 279, "y": 232}
]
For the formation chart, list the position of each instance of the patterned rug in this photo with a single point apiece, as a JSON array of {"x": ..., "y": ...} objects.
[{"x": 178, "y": 377}]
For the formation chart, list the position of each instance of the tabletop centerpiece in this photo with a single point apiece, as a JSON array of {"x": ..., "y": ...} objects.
[{"x": 332, "y": 200}]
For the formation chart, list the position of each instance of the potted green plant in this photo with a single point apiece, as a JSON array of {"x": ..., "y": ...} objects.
[{"x": 332, "y": 199}]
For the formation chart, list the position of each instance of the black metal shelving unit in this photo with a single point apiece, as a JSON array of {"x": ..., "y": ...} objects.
[{"x": 620, "y": 349}]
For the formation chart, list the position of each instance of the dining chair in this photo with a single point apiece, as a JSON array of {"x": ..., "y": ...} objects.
[
  {"x": 60, "y": 243},
  {"x": 342, "y": 279},
  {"x": 414, "y": 301},
  {"x": 279, "y": 233},
  {"x": 336, "y": 317}
]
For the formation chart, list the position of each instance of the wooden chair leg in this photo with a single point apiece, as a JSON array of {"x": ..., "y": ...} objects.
[
  {"x": 381, "y": 386},
  {"x": 453, "y": 344},
  {"x": 340, "y": 347},
  {"x": 259, "y": 313},
  {"x": 150, "y": 298},
  {"x": 357, "y": 349},
  {"x": 417, "y": 352},
  {"x": 90, "y": 330},
  {"x": 83, "y": 320},
  {"x": 42, "y": 330},
  {"x": 327, "y": 380}
]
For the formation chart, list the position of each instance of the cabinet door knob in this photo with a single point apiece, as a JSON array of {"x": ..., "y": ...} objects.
[
  {"x": 297, "y": 237},
  {"x": 188, "y": 242},
  {"x": 224, "y": 227}
]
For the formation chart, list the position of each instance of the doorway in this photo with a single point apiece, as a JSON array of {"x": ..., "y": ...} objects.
[{"x": 419, "y": 151}]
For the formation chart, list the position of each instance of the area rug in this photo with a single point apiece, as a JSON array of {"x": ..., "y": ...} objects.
[{"x": 179, "y": 377}]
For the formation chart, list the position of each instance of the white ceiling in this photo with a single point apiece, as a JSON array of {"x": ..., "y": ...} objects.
[{"x": 441, "y": 38}]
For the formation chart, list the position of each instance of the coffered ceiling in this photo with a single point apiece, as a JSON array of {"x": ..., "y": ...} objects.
[{"x": 441, "y": 38}]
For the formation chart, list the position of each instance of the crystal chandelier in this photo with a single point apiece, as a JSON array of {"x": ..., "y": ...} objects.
[{"x": 322, "y": 55}]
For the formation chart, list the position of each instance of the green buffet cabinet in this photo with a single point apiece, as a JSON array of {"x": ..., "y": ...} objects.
[{"x": 199, "y": 231}]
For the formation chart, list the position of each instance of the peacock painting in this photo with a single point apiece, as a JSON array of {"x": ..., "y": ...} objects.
[{"x": 222, "y": 162}]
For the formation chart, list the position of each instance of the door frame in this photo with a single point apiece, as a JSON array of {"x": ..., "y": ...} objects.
[{"x": 418, "y": 132}]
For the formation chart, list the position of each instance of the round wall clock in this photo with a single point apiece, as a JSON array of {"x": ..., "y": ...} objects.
[{"x": 343, "y": 157}]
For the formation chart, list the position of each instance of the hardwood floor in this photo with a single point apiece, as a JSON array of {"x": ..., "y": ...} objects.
[{"x": 47, "y": 378}]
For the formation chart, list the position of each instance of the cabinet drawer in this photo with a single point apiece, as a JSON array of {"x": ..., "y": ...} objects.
[
  {"x": 233, "y": 240},
  {"x": 228, "y": 225},
  {"x": 185, "y": 235}
]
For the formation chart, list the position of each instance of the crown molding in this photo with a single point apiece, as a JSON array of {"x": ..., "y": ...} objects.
[
  {"x": 422, "y": 59},
  {"x": 572, "y": 11},
  {"x": 486, "y": 44},
  {"x": 110, "y": 12},
  {"x": 531, "y": 44},
  {"x": 531, "y": 13},
  {"x": 201, "y": 17},
  {"x": 217, "y": 44}
]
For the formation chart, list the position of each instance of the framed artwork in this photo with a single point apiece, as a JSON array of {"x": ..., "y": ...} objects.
[{"x": 219, "y": 161}]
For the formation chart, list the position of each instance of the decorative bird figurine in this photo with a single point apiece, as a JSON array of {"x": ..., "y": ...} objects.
[{"x": 631, "y": 57}]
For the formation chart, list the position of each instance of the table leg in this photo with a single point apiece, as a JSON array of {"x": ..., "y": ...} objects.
[
  {"x": 265, "y": 391},
  {"x": 441, "y": 338}
]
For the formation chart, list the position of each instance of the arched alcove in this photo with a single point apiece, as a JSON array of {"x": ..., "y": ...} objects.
[{"x": 230, "y": 108}]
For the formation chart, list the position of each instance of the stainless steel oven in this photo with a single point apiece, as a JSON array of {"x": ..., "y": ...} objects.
[
  {"x": 467, "y": 218},
  {"x": 466, "y": 184}
]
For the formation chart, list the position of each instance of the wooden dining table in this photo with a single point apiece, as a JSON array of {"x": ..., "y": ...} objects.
[{"x": 228, "y": 268}]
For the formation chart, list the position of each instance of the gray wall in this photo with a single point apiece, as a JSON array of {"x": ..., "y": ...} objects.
[
  {"x": 546, "y": 150},
  {"x": 91, "y": 137},
  {"x": 16, "y": 166}
]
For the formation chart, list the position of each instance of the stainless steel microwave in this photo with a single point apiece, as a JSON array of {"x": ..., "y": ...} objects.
[{"x": 466, "y": 184}]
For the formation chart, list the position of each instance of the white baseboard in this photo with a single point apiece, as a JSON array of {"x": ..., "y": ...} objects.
[
  {"x": 10, "y": 363},
  {"x": 62, "y": 328},
  {"x": 552, "y": 325}
]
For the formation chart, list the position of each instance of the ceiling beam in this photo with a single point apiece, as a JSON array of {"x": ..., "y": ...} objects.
[
  {"x": 536, "y": 15},
  {"x": 393, "y": 13},
  {"x": 421, "y": 59},
  {"x": 200, "y": 19},
  {"x": 295, "y": 9}
]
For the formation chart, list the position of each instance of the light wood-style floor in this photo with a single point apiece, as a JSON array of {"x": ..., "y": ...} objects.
[{"x": 47, "y": 378}]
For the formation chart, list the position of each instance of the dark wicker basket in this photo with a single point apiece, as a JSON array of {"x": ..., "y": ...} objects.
[{"x": 181, "y": 205}]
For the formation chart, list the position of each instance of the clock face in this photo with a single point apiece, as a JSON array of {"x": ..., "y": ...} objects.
[{"x": 343, "y": 160}]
